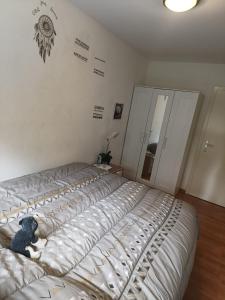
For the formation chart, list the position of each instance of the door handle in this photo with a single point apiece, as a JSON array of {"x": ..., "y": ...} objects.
[{"x": 207, "y": 145}]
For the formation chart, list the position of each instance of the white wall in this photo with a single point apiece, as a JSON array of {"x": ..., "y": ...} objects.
[
  {"x": 188, "y": 76},
  {"x": 46, "y": 109}
]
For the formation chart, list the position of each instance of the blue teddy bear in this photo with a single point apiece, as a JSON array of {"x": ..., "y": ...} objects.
[{"x": 25, "y": 238}]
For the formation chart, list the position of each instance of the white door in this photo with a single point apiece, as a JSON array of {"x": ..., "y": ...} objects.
[
  {"x": 141, "y": 104},
  {"x": 154, "y": 135},
  {"x": 208, "y": 180}
]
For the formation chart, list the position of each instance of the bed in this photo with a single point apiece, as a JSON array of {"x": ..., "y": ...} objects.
[{"x": 108, "y": 238}]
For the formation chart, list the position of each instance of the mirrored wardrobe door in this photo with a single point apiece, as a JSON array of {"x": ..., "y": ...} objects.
[{"x": 154, "y": 135}]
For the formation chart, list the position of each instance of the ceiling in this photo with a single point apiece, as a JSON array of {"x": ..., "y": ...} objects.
[{"x": 194, "y": 36}]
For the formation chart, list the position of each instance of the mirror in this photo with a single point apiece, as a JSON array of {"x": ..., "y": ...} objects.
[{"x": 153, "y": 139}]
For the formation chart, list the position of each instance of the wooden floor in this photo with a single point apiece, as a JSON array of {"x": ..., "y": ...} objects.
[{"x": 207, "y": 281}]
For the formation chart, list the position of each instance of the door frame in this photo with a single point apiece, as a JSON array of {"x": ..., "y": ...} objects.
[{"x": 202, "y": 138}]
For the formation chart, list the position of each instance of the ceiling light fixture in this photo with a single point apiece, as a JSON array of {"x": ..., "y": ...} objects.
[{"x": 180, "y": 5}]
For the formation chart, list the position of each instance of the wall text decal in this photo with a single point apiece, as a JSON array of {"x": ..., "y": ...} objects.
[
  {"x": 99, "y": 67},
  {"x": 81, "y": 50},
  {"x": 98, "y": 112},
  {"x": 82, "y": 44},
  {"x": 54, "y": 13},
  {"x": 81, "y": 57},
  {"x": 43, "y": 4}
]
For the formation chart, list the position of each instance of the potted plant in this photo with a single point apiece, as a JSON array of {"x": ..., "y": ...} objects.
[{"x": 105, "y": 157}]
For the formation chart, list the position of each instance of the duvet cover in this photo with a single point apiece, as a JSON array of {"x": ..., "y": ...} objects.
[{"x": 107, "y": 238}]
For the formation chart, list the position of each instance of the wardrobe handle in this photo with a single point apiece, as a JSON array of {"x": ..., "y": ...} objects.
[
  {"x": 164, "y": 142},
  {"x": 142, "y": 138},
  {"x": 145, "y": 136}
]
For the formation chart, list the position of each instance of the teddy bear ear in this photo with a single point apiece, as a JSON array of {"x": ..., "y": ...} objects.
[{"x": 20, "y": 222}]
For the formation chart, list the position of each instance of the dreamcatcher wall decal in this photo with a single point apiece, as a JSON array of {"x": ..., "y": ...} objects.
[{"x": 44, "y": 35}]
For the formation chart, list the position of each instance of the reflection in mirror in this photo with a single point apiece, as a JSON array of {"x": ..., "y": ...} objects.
[{"x": 154, "y": 136}]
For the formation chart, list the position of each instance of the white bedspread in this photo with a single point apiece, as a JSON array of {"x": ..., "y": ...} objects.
[{"x": 108, "y": 238}]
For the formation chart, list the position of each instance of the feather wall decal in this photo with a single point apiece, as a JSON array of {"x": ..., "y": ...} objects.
[{"x": 44, "y": 35}]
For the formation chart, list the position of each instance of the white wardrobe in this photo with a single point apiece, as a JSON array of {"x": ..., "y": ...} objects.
[{"x": 158, "y": 136}]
